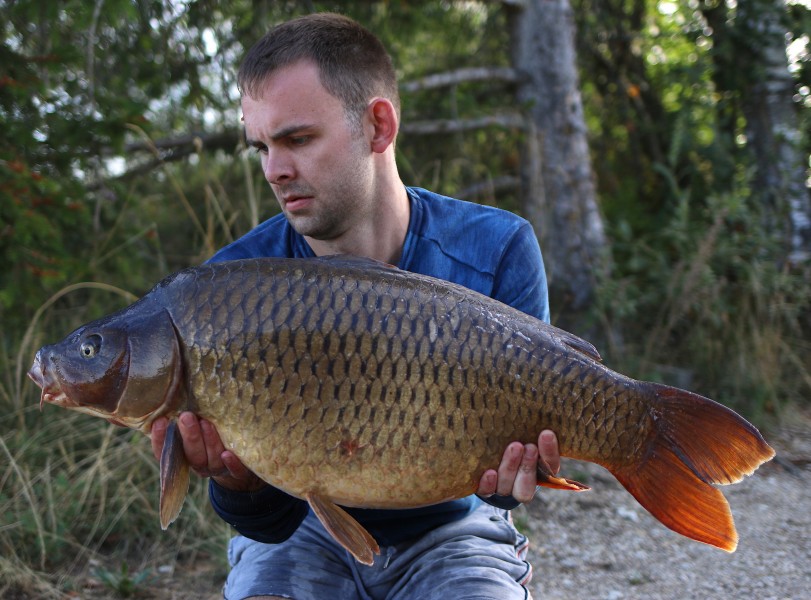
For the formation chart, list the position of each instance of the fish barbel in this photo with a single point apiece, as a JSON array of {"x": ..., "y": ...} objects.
[{"x": 344, "y": 381}]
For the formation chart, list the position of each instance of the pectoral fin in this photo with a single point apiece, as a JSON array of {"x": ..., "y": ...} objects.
[
  {"x": 346, "y": 530},
  {"x": 174, "y": 475}
]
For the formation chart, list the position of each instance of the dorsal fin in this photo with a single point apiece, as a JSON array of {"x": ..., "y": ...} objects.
[
  {"x": 349, "y": 260},
  {"x": 576, "y": 343}
]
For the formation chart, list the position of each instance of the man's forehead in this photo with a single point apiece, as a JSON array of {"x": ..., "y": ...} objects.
[
  {"x": 301, "y": 73},
  {"x": 273, "y": 118},
  {"x": 289, "y": 100}
]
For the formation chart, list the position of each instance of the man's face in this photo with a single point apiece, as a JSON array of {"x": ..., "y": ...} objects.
[{"x": 319, "y": 167}]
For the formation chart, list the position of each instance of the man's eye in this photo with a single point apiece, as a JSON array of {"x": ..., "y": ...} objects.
[
  {"x": 260, "y": 148},
  {"x": 299, "y": 140}
]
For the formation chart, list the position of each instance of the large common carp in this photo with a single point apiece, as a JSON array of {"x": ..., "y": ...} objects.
[{"x": 344, "y": 382}]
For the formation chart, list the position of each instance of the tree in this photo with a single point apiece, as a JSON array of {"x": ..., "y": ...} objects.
[
  {"x": 756, "y": 31},
  {"x": 558, "y": 184}
]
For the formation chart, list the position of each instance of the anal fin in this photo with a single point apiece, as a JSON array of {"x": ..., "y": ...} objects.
[
  {"x": 344, "y": 528},
  {"x": 545, "y": 478},
  {"x": 174, "y": 469}
]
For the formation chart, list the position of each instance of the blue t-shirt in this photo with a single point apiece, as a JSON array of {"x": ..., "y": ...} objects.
[{"x": 486, "y": 249}]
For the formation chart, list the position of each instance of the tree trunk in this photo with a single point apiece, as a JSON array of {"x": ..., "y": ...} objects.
[
  {"x": 772, "y": 128},
  {"x": 753, "y": 34},
  {"x": 557, "y": 181}
]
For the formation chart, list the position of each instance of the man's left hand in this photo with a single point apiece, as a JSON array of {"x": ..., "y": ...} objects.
[{"x": 517, "y": 473}]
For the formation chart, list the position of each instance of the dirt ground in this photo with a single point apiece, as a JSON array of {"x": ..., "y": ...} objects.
[{"x": 602, "y": 545}]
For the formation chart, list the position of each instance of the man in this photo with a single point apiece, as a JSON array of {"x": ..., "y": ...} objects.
[{"x": 321, "y": 107}]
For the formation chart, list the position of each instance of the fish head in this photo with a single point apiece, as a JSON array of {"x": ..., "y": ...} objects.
[{"x": 125, "y": 368}]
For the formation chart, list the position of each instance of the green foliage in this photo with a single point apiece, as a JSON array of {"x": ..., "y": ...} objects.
[
  {"x": 699, "y": 294},
  {"x": 40, "y": 219},
  {"x": 706, "y": 305}
]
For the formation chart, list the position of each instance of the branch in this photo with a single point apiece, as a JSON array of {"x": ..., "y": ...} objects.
[
  {"x": 507, "y": 120},
  {"x": 175, "y": 148},
  {"x": 450, "y": 78},
  {"x": 223, "y": 140},
  {"x": 489, "y": 187}
]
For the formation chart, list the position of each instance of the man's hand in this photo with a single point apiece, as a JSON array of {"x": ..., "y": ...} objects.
[
  {"x": 516, "y": 475},
  {"x": 206, "y": 454}
]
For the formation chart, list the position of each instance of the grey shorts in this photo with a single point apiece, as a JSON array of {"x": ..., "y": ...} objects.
[{"x": 481, "y": 556}]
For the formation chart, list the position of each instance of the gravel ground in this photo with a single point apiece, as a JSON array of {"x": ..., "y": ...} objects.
[{"x": 602, "y": 544}]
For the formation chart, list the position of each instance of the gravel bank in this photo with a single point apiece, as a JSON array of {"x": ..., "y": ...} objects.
[{"x": 602, "y": 545}]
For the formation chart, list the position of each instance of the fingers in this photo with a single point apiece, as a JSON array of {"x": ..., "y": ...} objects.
[
  {"x": 517, "y": 473},
  {"x": 526, "y": 478},
  {"x": 157, "y": 434},
  {"x": 488, "y": 483},
  {"x": 201, "y": 445},
  {"x": 549, "y": 452},
  {"x": 214, "y": 447},
  {"x": 515, "y": 476},
  {"x": 508, "y": 469}
]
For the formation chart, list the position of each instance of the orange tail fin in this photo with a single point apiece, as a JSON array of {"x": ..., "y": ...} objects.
[{"x": 696, "y": 443}]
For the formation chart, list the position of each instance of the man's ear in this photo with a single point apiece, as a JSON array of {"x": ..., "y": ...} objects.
[{"x": 385, "y": 123}]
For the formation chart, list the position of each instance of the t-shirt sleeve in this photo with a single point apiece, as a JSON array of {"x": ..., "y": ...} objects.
[{"x": 520, "y": 280}]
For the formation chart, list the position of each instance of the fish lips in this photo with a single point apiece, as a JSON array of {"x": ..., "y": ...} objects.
[{"x": 40, "y": 373}]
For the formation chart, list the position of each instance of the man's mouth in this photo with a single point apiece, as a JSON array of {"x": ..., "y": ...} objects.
[{"x": 296, "y": 203}]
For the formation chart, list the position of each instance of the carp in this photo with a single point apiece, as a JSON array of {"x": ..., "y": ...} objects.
[{"x": 344, "y": 381}]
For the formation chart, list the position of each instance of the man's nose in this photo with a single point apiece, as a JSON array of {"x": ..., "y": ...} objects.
[{"x": 278, "y": 167}]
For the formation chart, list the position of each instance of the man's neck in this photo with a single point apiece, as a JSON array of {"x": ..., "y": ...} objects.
[{"x": 382, "y": 237}]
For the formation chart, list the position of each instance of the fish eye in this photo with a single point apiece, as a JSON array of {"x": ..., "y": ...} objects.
[{"x": 90, "y": 346}]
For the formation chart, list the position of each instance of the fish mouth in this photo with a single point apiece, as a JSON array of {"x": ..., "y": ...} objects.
[{"x": 51, "y": 391}]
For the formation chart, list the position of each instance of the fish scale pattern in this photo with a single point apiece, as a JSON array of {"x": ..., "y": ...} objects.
[{"x": 367, "y": 371}]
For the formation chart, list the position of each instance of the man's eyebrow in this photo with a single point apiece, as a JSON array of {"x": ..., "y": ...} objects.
[
  {"x": 277, "y": 135},
  {"x": 291, "y": 130},
  {"x": 280, "y": 134}
]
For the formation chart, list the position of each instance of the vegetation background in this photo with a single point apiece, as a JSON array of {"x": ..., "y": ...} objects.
[{"x": 121, "y": 161}]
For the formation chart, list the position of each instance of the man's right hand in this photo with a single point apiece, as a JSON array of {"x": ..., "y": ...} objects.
[{"x": 206, "y": 454}]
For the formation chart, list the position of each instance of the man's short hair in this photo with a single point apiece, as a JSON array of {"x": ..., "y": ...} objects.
[{"x": 353, "y": 63}]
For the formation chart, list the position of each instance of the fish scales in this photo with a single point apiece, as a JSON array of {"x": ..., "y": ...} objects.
[
  {"x": 342, "y": 347},
  {"x": 347, "y": 382}
]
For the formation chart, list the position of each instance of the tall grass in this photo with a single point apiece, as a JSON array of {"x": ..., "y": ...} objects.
[
  {"x": 76, "y": 492},
  {"x": 77, "y": 495}
]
